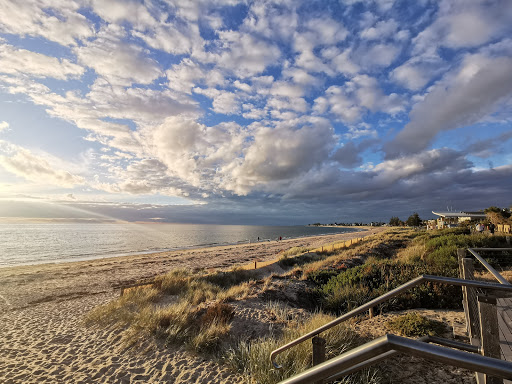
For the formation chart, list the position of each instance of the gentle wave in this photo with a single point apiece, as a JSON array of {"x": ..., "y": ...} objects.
[{"x": 52, "y": 243}]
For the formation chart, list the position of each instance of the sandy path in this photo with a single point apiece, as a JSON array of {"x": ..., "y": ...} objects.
[{"x": 42, "y": 338}]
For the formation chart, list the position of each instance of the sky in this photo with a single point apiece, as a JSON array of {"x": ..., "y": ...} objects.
[{"x": 254, "y": 112}]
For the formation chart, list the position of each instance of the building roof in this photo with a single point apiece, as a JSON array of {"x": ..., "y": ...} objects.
[{"x": 476, "y": 215}]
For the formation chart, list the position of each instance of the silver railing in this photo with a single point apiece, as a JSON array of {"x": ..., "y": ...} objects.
[
  {"x": 486, "y": 265},
  {"x": 368, "y": 354},
  {"x": 395, "y": 292}
]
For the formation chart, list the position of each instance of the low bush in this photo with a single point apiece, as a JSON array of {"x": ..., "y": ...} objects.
[
  {"x": 286, "y": 261},
  {"x": 413, "y": 324},
  {"x": 358, "y": 285}
]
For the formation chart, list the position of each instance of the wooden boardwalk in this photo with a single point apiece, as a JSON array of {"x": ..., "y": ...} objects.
[{"x": 504, "y": 306}]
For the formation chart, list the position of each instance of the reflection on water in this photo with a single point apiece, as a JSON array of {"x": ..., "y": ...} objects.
[{"x": 43, "y": 243}]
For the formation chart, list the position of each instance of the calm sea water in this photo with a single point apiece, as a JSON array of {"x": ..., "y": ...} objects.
[{"x": 50, "y": 243}]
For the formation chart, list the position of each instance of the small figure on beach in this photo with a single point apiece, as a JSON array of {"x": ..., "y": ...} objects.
[
  {"x": 258, "y": 238},
  {"x": 280, "y": 238}
]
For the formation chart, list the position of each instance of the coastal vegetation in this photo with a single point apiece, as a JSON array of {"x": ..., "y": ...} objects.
[{"x": 239, "y": 316}]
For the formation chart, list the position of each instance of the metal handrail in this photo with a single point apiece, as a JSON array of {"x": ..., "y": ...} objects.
[
  {"x": 387, "y": 355},
  {"x": 385, "y": 344},
  {"x": 395, "y": 292},
  {"x": 487, "y": 266}
]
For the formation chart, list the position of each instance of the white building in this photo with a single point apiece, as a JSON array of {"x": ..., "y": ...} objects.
[{"x": 449, "y": 219}]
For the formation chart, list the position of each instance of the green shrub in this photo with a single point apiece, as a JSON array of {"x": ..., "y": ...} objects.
[
  {"x": 322, "y": 276},
  {"x": 360, "y": 284},
  {"x": 286, "y": 261},
  {"x": 413, "y": 324}
]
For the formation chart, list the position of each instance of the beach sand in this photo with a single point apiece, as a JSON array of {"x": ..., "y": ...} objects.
[{"x": 43, "y": 339}]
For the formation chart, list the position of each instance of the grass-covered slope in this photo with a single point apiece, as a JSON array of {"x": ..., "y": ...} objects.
[{"x": 240, "y": 316}]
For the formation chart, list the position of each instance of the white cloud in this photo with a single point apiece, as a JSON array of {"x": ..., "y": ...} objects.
[
  {"x": 226, "y": 103},
  {"x": 222, "y": 101},
  {"x": 300, "y": 76},
  {"x": 286, "y": 89},
  {"x": 243, "y": 86},
  {"x": 184, "y": 76},
  {"x": 4, "y": 125},
  {"x": 464, "y": 23},
  {"x": 57, "y": 20},
  {"x": 350, "y": 101},
  {"x": 378, "y": 55},
  {"x": 24, "y": 163},
  {"x": 297, "y": 104},
  {"x": 274, "y": 21},
  {"x": 462, "y": 98},
  {"x": 117, "y": 61},
  {"x": 244, "y": 54},
  {"x": 117, "y": 11},
  {"x": 341, "y": 62},
  {"x": 15, "y": 61},
  {"x": 325, "y": 31},
  {"x": 168, "y": 38},
  {"x": 382, "y": 30}
]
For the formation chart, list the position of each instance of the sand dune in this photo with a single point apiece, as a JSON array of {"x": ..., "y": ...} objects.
[{"x": 43, "y": 339}]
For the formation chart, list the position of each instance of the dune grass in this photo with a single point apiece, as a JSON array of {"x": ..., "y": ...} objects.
[
  {"x": 194, "y": 310},
  {"x": 252, "y": 359}
]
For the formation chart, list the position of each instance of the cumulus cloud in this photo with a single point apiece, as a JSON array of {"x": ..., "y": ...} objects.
[
  {"x": 464, "y": 23},
  {"x": 244, "y": 54},
  {"x": 117, "y": 61},
  {"x": 377, "y": 55},
  {"x": 280, "y": 154},
  {"x": 461, "y": 98},
  {"x": 24, "y": 163},
  {"x": 4, "y": 125},
  {"x": 382, "y": 30},
  {"x": 16, "y": 61},
  {"x": 184, "y": 76},
  {"x": 350, "y": 101},
  {"x": 57, "y": 21},
  {"x": 418, "y": 71}
]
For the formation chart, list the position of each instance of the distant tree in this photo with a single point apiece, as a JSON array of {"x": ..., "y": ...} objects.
[
  {"x": 498, "y": 215},
  {"x": 395, "y": 221},
  {"x": 413, "y": 220}
]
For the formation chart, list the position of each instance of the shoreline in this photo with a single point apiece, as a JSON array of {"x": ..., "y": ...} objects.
[
  {"x": 168, "y": 250},
  {"x": 25, "y": 285},
  {"x": 42, "y": 308}
]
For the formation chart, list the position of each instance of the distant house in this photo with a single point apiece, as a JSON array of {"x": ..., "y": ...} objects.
[{"x": 449, "y": 219}]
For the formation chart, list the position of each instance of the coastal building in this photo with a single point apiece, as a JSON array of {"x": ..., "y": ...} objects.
[{"x": 452, "y": 219}]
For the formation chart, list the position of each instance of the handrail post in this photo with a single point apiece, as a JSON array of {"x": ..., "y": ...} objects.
[
  {"x": 318, "y": 352},
  {"x": 470, "y": 302},
  {"x": 489, "y": 332}
]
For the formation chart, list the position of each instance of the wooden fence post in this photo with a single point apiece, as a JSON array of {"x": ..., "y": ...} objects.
[{"x": 489, "y": 332}]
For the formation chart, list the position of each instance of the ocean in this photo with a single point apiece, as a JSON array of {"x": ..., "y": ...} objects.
[{"x": 26, "y": 244}]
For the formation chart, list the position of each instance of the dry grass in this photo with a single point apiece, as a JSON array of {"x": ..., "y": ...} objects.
[{"x": 253, "y": 359}]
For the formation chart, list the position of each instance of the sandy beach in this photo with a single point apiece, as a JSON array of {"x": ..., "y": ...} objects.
[{"x": 43, "y": 339}]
